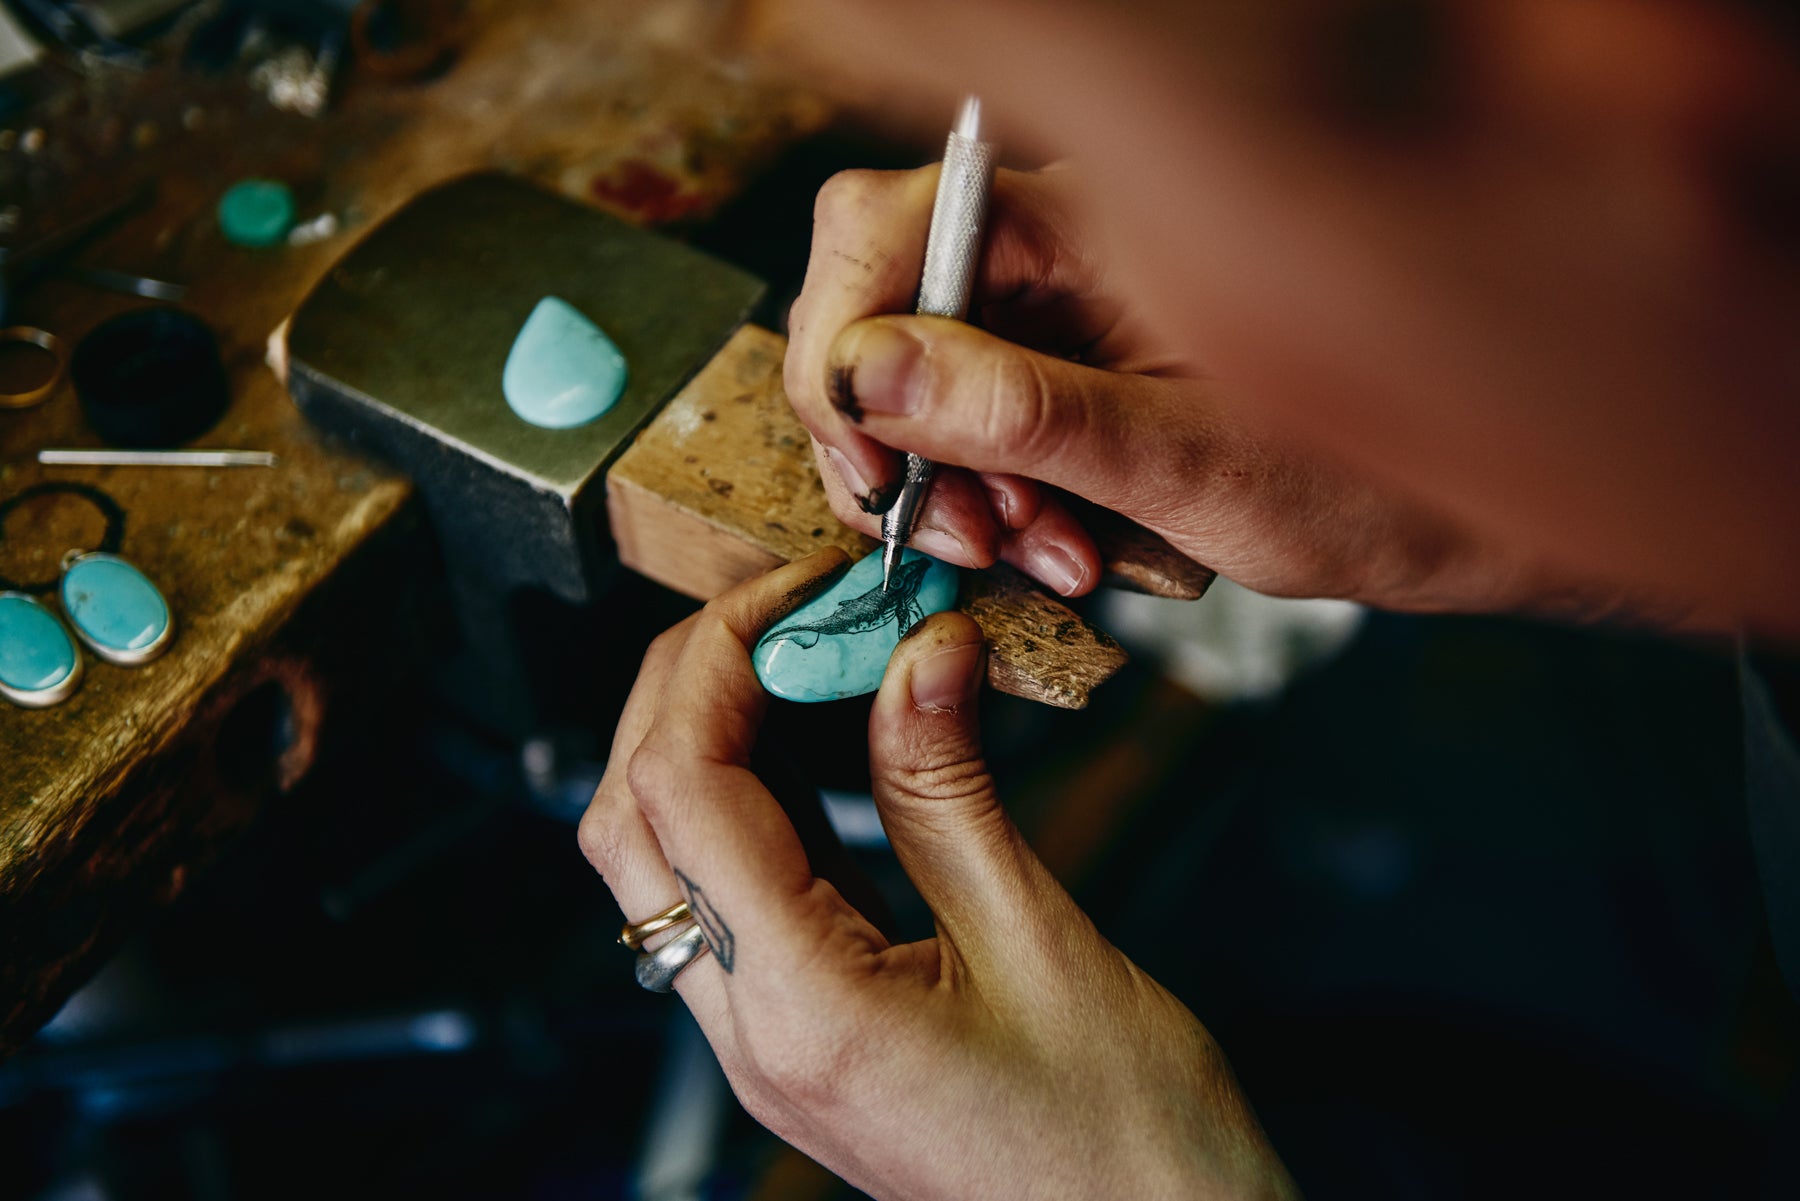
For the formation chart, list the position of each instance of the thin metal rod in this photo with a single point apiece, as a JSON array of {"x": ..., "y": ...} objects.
[{"x": 158, "y": 458}]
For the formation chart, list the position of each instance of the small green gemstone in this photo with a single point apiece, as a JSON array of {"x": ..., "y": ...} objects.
[
  {"x": 838, "y": 644},
  {"x": 114, "y": 606},
  {"x": 256, "y": 212},
  {"x": 36, "y": 653},
  {"x": 562, "y": 371}
]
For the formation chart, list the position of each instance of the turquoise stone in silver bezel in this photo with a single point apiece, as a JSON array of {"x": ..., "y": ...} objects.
[
  {"x": 121, "y": 656},
  {"x": 57, "y": 693}
]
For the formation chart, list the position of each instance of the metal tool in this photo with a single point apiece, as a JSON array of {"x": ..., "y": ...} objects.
[
  {"x": 401, "y": 347},
  {"x": 126, "y": 283},
  {"x": 157, "y": 458},
  {"x": 952, "y": 252},
  {"x": 20, "y": 265}
]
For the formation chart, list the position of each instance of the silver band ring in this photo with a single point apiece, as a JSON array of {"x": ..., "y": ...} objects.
[{"x": 656, "y": 970}]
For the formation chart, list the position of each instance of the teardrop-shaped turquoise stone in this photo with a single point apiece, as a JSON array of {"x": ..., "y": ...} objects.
[
  {"x": 837, "y": 644},
  {"x": 114, "y": 607},
  {"x": 36, "y": 653},
  {"x": 562, "y": 370}
]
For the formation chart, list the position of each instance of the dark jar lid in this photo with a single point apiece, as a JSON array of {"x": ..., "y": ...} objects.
[{"x": 150, "y": 378}]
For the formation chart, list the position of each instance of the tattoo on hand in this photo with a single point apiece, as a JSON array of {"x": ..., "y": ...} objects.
[{"x": 718, "y": 935}]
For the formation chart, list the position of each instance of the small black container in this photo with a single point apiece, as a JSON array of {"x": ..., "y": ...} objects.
[{"x": 150, "y": 378}]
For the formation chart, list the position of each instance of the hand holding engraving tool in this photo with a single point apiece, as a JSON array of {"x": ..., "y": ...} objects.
[{"x": 952, "y": 251}]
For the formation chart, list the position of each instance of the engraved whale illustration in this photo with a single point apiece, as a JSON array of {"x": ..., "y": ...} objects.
[{"x": 870, "y": 611}]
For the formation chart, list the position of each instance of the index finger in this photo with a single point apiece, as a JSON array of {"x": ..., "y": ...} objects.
[
  {"x": 736, "y": 857},
  {"x": 868, "y": 250}
]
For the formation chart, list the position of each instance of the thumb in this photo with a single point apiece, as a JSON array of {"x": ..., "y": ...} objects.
[
  {"x": 960, "y": 395},
  {"x": 932, "y": 785}
]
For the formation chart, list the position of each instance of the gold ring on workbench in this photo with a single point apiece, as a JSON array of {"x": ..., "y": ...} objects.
[
  {"x": 634, "y": 933},
  {"x": 49, "y": 343}
]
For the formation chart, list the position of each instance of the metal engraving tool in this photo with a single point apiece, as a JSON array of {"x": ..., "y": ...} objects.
[{"x": 952, "y": 251}]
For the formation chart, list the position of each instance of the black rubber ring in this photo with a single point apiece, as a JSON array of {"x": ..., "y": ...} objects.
[{"x": 110, "y": 509}]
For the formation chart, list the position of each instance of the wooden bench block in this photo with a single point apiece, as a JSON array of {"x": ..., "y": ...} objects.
[{"x": 721, "y": 486}]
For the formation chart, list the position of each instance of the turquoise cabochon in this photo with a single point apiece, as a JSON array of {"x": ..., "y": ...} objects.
[
  {"x": 837, "y": 644},
  {"x": 114, "y": 606},
  {"x": 562, "y": 371},
  {"x": 36, "y": 653}
]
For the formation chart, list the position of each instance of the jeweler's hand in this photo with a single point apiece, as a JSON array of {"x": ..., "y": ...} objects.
[
  {"x": 1016, "y": 1054},
  {"x": 1062, "y": 387}
]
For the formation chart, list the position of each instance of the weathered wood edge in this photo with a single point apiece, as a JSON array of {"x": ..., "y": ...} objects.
[{"x": 721, "y": 486}]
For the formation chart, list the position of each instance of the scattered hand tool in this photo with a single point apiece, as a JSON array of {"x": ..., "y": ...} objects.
[{"x": 20, "y": 265}]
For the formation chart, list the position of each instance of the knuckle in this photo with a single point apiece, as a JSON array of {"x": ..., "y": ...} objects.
[
  {"x": 652, "y": 775},
  {"x": 662, "y": 649},
  {"x": 1023, "y": 415},
  {"x": 846, "y": 193},
  {"x": 953, "y": 777},
  {"x": 729, "y": 615},
  {"x": 598, "y": 835}
]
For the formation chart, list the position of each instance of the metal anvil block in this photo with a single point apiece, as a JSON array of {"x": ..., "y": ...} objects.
[{"x": 401, "y": 346}]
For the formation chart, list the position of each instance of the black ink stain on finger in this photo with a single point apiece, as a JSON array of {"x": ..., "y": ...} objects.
[
  {"x": 841, "y": 387},
  {"x": 878, "y": 500}
]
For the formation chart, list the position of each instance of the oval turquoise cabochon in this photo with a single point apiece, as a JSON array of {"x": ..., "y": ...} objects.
[
  {"x": 562, "y": 371},
  {"x": 113, "y": 605},
  {"x": 837, "y": 644},
  {"x": 36, "y": 653}
]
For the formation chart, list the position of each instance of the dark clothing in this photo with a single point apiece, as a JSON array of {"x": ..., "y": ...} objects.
[
  {"x": 1772, "y": 788},
  {"x": 1771, "y": 692}
]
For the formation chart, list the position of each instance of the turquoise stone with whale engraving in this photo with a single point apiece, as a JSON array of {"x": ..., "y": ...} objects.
[
  {"x": 837, "y": 644},
  {"x": 562, "y": 370}
]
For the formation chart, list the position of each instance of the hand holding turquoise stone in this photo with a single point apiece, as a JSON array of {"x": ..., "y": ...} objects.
[
  {"x": 115, "y": 609},
  {"x": 837, "y": 645},
  {"x": 562, "y": 370},
  {"x": 39, "y": 664}
]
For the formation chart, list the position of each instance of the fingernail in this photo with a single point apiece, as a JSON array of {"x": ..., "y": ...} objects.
[
  {"x": 877, "y": 499},
  {"x": 1056, "y": 567},
  {"x": 882, "y": 372},
  {"x": 941, "y": 544},
  {"x": 846, "y": 470},
  {"x": 943, "y": 681}
]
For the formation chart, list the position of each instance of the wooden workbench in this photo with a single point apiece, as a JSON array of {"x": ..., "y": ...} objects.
[{"x": 111, "y": 800}]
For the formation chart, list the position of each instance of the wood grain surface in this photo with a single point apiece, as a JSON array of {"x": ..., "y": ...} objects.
[
  {"x": 722, "y": 486},
  {"x": 108, "y": 802}
]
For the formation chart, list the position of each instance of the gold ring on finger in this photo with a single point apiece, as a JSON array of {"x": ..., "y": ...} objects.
[{"x": 634, "y": 933}]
